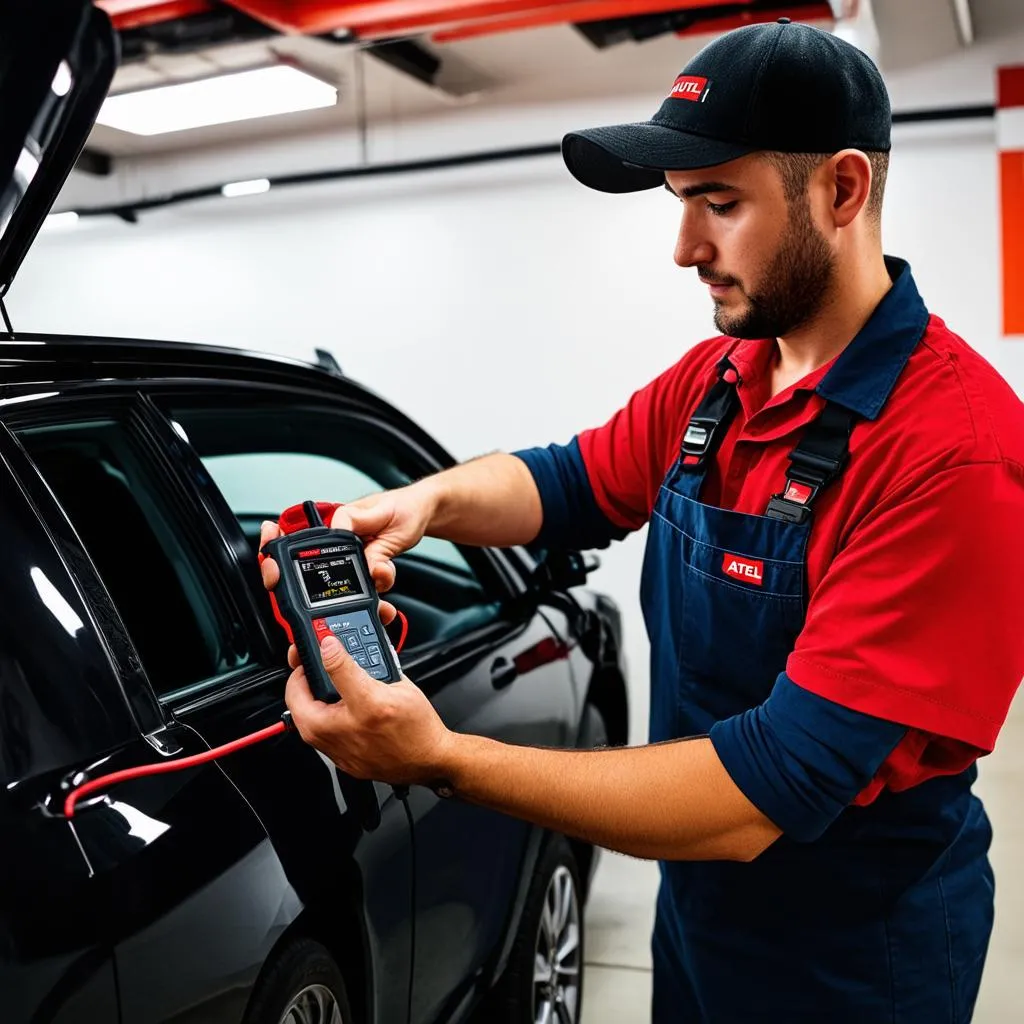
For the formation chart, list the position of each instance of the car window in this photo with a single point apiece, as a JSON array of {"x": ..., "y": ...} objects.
[
  {"x": 264, "y": 462},
  {"x": 60, "y": 703},
  {"x": 136, "y": 537},
  {"x": 262, "y": 483}
]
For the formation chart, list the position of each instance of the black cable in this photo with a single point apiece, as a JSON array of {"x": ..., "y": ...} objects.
[
  {"x": 402, "y": 794},
  {"x": 7, "y": 319},
  {"x": 130, "y": 211}
]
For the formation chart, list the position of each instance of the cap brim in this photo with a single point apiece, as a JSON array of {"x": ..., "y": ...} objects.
[{"x": 633, "y": 157}]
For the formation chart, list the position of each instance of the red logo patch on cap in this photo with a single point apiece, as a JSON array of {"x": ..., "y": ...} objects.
[
  {"x": 747, "y": 570},
  {"x": 689, "y": 87}
]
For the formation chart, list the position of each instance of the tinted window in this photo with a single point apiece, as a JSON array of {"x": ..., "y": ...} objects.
[
  {"x": 128, "y": 523},
  {"x": 266, "y": 460},
  {"x": 59, "y": 701}
]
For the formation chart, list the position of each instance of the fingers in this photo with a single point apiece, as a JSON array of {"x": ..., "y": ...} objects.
[
  {"x": 383, "y": 572},
  {"x": 367, "y": 522},
  {"x": 387, "y": 611},
  {"x": 270, "y": 572},
  {"x": 307, "y": 712},
  {"x": 268, "y": 567},
  {"x": 370, "y": 523},
  {"x": 351, "y": 682},
  {"x": 293, "y": 657}
]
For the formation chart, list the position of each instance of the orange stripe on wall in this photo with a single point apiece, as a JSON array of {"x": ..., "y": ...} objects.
[{"x": 1011, "y": 171}]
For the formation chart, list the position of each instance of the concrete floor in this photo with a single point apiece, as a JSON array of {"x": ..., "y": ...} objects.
[{"x": 621, "y": 910}]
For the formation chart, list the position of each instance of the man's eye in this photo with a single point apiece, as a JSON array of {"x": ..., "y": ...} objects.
[{"x": 719, "y": 209}]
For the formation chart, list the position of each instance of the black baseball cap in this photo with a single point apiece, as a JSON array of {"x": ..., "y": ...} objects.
[{"x": 779, "y": 86}]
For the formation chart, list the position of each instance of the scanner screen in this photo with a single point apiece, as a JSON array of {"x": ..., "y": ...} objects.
[{"x": 330, "y": 578}]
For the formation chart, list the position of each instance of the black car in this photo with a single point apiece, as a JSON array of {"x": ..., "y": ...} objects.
[{"x": 135, "y": 631}]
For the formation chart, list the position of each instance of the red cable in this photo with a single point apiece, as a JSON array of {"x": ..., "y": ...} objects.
[
  {"x": 167, "y": 766},
  {"x": 104, "y": 781},
  {"x": 403, "y": 634}
]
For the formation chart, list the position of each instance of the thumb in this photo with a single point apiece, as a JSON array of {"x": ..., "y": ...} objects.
[
  {"x": 366, "y": 522},
  {"x": 351, "y": 682},
  {"x": 371, "y": 523}
]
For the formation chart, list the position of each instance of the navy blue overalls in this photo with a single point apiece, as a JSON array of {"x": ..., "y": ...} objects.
[{"x": 886, "y": 917}]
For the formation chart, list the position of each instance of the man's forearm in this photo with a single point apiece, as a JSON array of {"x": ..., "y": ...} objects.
[
  {"x": 491, "y": 501},
  {"x": 668, "y": 801}
]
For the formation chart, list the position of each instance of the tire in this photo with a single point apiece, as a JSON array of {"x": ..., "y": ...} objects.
[
  {"x": 302, "y": 985},
  {"x": 549, "y": 925}
]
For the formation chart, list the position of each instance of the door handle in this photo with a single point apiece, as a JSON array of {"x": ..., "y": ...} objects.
[{"x": 503, "y": 672}]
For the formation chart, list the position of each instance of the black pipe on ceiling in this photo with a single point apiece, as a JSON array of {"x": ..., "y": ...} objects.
[{"x": 129, "y": 211}]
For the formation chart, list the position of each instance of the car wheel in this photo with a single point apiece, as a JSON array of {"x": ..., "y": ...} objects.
[
  {"x": 543, "y": 983},
  {"x": 303, "y": 985}
]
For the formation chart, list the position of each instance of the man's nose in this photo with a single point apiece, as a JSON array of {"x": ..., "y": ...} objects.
[{"x": 692, "y": 248}]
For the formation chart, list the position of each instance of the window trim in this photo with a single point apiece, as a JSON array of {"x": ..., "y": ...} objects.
[
  {"x": 509, "y": 580},
  {"x": 128, "y": 678},
  {"x": 148, "y": 428},
  {"x": 505, "y": 583}
]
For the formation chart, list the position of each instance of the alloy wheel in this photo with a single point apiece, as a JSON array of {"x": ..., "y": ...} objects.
[
  {"x": 556, "y": 974},
  {"x": 315, "y": 1004}
]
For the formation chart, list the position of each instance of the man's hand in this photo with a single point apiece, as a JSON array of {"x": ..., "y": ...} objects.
[
  {"x": 383, "y": 579},
  {"x": 388, "y": 524},
  {"x": 384, "y": 731}
]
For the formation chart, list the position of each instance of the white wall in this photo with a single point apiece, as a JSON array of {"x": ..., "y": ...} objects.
[{"x": 501, "y": 305}]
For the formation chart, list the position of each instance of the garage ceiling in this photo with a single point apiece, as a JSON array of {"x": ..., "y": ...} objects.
[
  {"x": 400, "y": 60},
  {"x": 394, "y": 60}
]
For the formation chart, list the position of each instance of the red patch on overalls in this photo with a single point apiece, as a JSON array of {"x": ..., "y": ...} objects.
[{"x": 746, "y": 570}]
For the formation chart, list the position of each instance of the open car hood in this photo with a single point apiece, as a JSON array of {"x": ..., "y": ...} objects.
[{"x": 57, "y": 59}]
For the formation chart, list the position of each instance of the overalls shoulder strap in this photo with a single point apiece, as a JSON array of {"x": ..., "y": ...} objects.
[
  {"x": 710, "y": 420},
  {"x": 818, "y": 458}
]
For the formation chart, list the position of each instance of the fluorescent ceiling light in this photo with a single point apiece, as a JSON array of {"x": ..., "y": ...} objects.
[
  {"x": 246, "y": 188},
  {"x": 236, "y": 97}
]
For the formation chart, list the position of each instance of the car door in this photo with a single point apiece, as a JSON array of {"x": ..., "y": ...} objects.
[
  {"x": 353, "y": 872},
  {"x": 223, "y": 861},
  {"x": 153, "y": 846},
  {"x": 60, "y": 707},
  {"x": 487, "y": 659}
]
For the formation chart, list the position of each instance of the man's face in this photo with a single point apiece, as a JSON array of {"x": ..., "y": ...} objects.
[{"x": 768, "y": 267}]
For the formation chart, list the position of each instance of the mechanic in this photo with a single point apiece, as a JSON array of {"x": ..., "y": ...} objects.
[{"x": 832, "y": 581}]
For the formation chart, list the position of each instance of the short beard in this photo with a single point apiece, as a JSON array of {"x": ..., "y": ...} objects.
[{"x": 795, "y": 285}]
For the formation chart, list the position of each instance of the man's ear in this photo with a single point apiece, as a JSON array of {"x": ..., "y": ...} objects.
[{"x": 851, "y": 176}]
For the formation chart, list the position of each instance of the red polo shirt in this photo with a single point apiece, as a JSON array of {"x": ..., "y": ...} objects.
[{"x": 915, "y": 571}]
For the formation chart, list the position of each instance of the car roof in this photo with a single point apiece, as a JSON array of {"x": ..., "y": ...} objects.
[
  {"x": 34, "y": 362},
  {"x": 54, "y": 358}
]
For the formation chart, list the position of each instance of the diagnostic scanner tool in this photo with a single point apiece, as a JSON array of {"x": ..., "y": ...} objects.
[{"x": 326, "y": 587}]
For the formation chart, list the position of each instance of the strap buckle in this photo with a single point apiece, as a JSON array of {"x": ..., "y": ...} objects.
[
  {"x": 810, "y": 472},
  {"x": 698, "y": 440},
  {"x": 794, "y": 504}
]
